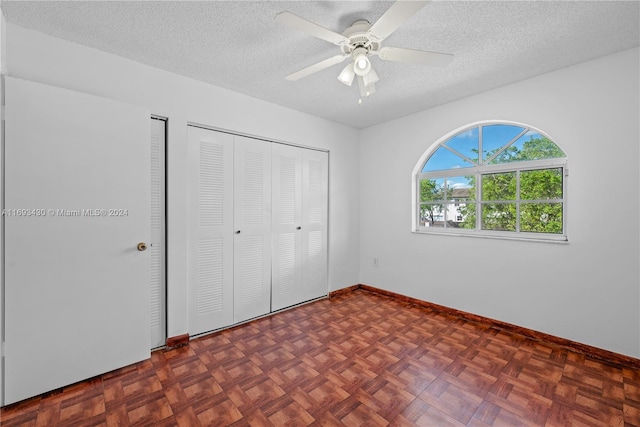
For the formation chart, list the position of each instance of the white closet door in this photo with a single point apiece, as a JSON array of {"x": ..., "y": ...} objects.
[
  {"x": 157, "y": 248},
  {"x": 252, "y": 224},
  {"x": 314, "y": 224},
  {"x": 299, "y": 225},
  {"x": 210, "y": 159},
  {"x": 286, "y": 287},
  {"x": 77, "y": 199}
]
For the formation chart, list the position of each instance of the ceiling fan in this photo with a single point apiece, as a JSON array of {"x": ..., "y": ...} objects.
[{"x": 360, "y": 42}]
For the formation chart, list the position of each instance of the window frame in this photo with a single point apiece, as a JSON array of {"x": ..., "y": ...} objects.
[{"x": 483, "y": 169}]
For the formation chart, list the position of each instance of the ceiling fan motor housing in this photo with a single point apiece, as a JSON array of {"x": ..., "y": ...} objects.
[{"x": 358, "y": 38}]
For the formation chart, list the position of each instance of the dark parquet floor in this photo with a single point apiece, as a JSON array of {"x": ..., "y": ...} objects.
[{"x": 359, "y": 359}]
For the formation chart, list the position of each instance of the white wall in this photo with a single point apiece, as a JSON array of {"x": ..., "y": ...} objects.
[
  {"x": 41, "y": 58},
  {"x": 587, "y": 290}
]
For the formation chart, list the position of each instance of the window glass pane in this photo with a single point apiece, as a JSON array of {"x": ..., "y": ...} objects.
[
  {"x": 541, "y": 217},
  {"x": 499, "y": 186},
  {"x": 499, "y": 216},
  {"x": 444, "y": 159},
  {"x": 450, "y": 214},
  {"x": 466, "y": 216},
  {"x": 495, "y": 137},
  {"x": 432, "y": 215},
  {"x": 530, "y": 146},
  {"x": 466, "y": 143},
  {"x": 459, "y": 187},
  {"x": 541, "y": 184},
  {"x": 431, "y": 190}
]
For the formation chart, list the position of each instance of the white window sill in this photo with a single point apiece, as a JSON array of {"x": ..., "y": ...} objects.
[{"x": 525, "y": 237}]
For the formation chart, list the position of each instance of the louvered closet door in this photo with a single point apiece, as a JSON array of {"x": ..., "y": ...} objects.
[
  {"x": 314, "y": 223},
  {"x": 299, "y": 225},
  {"x": 211, "y": 222},
  {"x": 252, "y": 228},
  {"x": 157, "y": 243},
  {"x": 287, "y": 226}
]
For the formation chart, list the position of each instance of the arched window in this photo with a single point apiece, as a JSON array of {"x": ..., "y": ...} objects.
[{"x": 495, "y": 180}]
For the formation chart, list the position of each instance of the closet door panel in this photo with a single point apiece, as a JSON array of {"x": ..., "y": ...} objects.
[
  {"x": 260, "y": 228},
  {"x": 157, "y": 246},
  {"x": 286, "y": 287},
  {"x": 314, "y": 224},
  {"x": 252, "y": 225},
  {"x": 211, "y": 157}
]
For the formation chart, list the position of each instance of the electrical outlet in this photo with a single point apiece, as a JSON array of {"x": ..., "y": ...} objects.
[{"x": 375, "y": 261}]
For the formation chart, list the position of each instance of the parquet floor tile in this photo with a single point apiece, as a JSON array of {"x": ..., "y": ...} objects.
[{"x": 358, "y": 359}]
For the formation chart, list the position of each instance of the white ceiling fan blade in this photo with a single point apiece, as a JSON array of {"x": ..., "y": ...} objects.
[
  {"x": 412, "y": 56},
  {"x": 393, "y": 18},
  {"x": 317, "y": 67},
  {"x": 301, "y": 24}
]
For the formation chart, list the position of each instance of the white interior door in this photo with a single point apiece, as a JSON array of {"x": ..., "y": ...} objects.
[
  {"x": 157, "y": 250},
  {"x": 77, "y": 204},
  {"x": 211, "y": 224},
  {"x": 286, "y": 288},
  {"x": 252, "y": 224}
]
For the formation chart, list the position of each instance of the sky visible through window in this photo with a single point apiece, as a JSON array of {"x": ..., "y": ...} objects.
[
  {"x": 494, "y": 177},
  {"x": 467, "y": 143}
]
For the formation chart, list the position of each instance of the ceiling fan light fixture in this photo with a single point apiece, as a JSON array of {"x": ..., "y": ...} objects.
[
  {"x": 370, "y": 90},
  {"x": 366, "y": 90},
  {"x": 347, "y": 75},
  {"x": 361, "y": 64},
  {"x": 370, "y": 78}
]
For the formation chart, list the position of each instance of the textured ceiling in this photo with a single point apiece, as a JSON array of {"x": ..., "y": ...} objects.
[{"x": 238, "y": 45}]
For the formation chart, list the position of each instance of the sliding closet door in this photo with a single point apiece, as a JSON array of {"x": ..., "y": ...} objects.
[
  {"x": 287, "y": 226},
  {"x": 314, "y": 223},
  {"x": 77, "y": 205},
  {"x": 211, "y": 223},
  {"x": 252, "y": 228},
  {"x": 157, "y": 310}
]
